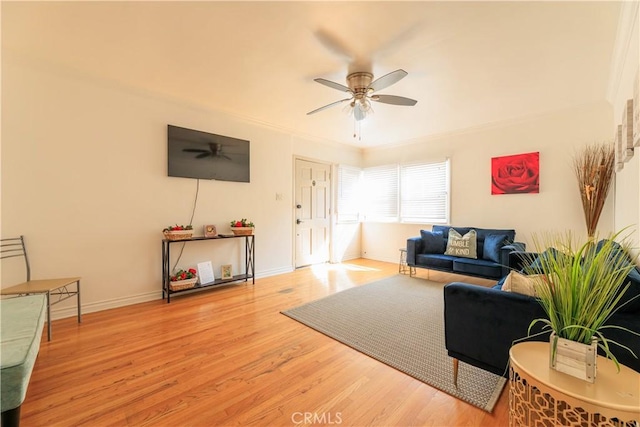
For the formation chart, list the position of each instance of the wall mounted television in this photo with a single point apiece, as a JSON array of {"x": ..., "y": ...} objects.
[{"x": 203, "y": 155}]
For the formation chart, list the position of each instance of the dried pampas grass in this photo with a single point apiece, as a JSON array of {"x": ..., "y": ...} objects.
[{"x": 594, "y": 166}]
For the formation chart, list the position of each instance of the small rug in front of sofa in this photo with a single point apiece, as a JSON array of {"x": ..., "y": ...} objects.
[{"x": 399, "y": 321}]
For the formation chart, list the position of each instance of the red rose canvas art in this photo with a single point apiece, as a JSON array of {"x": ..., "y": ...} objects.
[{"x": 515, "y": 174}]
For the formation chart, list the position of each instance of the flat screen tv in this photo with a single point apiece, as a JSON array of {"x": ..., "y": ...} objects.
[{"x": 202, "y": 155}]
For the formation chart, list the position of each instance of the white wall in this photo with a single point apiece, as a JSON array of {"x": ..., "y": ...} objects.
[
  {"x": 84, "y": 178},
  {"x": 625, "y": 68},
  {"x": 556, "y": 207}
]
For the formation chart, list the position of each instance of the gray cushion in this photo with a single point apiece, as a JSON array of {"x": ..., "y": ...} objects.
[{"x": 462, "y": 246}]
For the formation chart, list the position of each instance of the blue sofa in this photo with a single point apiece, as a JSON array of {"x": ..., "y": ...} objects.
[
  {"x": 493, "y": 249},
  {"x": 481, "y": 324}
]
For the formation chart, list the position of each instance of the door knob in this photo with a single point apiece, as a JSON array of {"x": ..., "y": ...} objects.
[
  {"x": 298, "y": 221},
  {"x": 299, "y": 206}
]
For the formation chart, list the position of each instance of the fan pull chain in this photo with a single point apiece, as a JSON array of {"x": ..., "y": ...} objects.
[{"x": 357, "y": 130}]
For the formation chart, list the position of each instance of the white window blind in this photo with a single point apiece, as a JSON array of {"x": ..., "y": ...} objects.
[
  {"x": 349, "y": 193},
  {"x": 425, "y": 192},
  {"x": 381, "y": 193}
]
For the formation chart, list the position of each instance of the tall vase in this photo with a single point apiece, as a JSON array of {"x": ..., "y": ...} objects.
[{"x": 573, "y": 358}]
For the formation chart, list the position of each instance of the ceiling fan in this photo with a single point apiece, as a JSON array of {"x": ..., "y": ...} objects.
[
  {"x": 214, "y": 151},
  {"x": 361, "y": 89}
]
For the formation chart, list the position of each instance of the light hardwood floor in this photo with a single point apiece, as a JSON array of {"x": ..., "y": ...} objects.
[{"x": 228, "y": 357}]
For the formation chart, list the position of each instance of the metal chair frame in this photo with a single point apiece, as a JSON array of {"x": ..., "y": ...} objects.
[{"x": 58, "y": 288}]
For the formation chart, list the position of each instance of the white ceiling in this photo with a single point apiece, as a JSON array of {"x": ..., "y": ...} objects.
[{"x": 470, "y": 64}]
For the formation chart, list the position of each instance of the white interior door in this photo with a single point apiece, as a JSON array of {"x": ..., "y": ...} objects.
[{"x": 313, "y": 209}]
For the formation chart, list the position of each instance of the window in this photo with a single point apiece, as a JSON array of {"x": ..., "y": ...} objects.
[
  {"x": 381, "y": 193},
  {"x": 395, "y": 193},
  {"x": 424, "y": 190},
  {"x": 349, "y": 191}
]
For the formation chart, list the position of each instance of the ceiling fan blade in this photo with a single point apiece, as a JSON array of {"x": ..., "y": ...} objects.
[
  {"x": 388, "y": 79},
  {"x": 195, "y": 150},
  {"x": 328, "y": 106},
  {"x": 394, "y": 100},
  {"x": 203, "y": 155},
  {"x": 358, "y": 112},
  {"x": 334, "y": 44},
  {"x": 332, "y": 85}
]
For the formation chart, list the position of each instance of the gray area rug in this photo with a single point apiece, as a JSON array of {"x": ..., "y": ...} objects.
[{"x": 400, "y": 322}]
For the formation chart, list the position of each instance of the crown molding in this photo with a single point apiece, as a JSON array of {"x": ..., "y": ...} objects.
[{"x": 629, "y": 11}]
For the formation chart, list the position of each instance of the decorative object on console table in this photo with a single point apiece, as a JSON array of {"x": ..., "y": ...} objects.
[
  {"x": 183, "y": 280},
  {"x": 178, "y": 232},
  {"x": 210, "y": 231},
  {"x": 205, "y": 272},
  {"x": 226, "y": 272},
  {"x": 515, "y": 174},
  {"x": 243, "y": 227},
  {"x": 579, "y": 289}
]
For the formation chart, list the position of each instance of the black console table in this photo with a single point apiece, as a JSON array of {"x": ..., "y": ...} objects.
[{"x": 249, "y": 264}]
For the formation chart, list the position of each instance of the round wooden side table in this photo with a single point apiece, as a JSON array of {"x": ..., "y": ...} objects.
[{"x": 539, "y": 395}]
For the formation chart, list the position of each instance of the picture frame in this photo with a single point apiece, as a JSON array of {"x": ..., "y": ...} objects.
[
  {"x": 636, "y": 110},
  {"x": 516, "y": 174},
  {"x": 210, "y": 231},
  {"x": 205, "y": 272},
  {"x": 625, "y": 144},
  {"x": 226, "y": 272}
]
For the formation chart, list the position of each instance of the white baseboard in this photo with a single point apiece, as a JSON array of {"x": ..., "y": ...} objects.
[
  {"x": 92, "y": 307},
  {"x": 375, "y": 257},
  {"x": 349, "y": 256},
  {"x": 274, "y": 272},
  {"x": 104, "y": 305}
]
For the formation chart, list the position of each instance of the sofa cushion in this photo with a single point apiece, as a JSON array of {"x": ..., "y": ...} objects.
[
  {"x": 491, "y": 246},
  {"x": 632, "y": 294},
  {"x": 481, "y": 234},
  {"x": 437, "y": 261},
  {"x": 462, "y": 246},
  {"x": 432, "y": 242},
  {"x": 477, "y": 267},
  {"x": 500, "y": 283},
  {"x": 538, "y": 262},
  {"x": 521, "y": 283}
]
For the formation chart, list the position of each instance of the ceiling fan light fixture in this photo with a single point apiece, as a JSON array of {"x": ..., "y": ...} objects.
[{"x": 361, "y": 87}]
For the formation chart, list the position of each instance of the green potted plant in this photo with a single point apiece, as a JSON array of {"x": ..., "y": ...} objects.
[{"x": 579, "y": 288}]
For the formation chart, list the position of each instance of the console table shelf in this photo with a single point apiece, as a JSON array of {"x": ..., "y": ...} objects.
[{"x": 249, "y": 264}]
